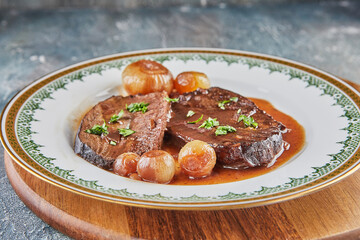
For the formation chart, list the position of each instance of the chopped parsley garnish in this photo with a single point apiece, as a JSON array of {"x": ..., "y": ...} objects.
[
  {"x": 190, "y": 113},
  {"x": 171, "y": 99},
  {"x": 125, "y": 131},
  {"x": 137, "y": 107},
  {"x": 116, "y": 117},
  {"x": 209, "y": 123},
  {"x": 98, "y": 129},
  {"x": 221, "y": 104},
  {"x": 196, "y": 121},
  {"x": 112, "y": 143},
  {"x": 223, "y": 130},
  {"x": 248, "y": 121}
]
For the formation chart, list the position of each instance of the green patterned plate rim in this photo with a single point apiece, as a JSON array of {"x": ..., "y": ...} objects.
[{"x": 312, "y": 93}]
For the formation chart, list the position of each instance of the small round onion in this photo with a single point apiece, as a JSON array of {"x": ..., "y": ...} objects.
[
  {"x": 146, "y": 76},
  {"x": 156, "y": 166},
  {"x": 197, "y": 159},
  {"x": 125, "y": 164},
  {"x": 190, "y": 81}
]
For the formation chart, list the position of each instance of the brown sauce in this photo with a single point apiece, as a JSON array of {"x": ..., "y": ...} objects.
[{"x": 295, "y": 138}]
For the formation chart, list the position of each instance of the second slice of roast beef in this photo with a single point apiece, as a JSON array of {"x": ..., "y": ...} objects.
[
  {"x": 247, "y": 147},
  {"x": 149, "y": 128}
]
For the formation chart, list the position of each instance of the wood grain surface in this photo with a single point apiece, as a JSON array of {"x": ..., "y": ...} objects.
[{"x": 332, "y": 213}]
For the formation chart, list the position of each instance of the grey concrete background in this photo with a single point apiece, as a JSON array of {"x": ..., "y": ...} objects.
[
  {"x": 130, "y": 4},
  {"x": 37, "y": 37}
]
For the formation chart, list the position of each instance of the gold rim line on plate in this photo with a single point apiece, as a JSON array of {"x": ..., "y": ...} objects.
[{"x": 23, "y": 95}]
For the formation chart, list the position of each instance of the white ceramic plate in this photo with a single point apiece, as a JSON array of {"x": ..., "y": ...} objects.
[{"x": 39, "y": 124}]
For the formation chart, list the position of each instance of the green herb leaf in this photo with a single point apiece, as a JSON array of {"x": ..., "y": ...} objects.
[
  {"x": 125, "y": 131},
  {"x": 221, "y": 104},
  {"x": 248, "y": 121},
  {"x": 112, "y": 143},
  {"x": 190, "y": 113},
  {"x": 137, "y": 107},
  {"x": 234, "y": 99},
  {"x": 209, "y": 123},
  {"x": 223, "y": 130},
  {"x": 98, "y": 130},
  {"x": 171, "y": 99},
  {"x": 116, "y": 117},
  {"x": 196, "y": 121}
]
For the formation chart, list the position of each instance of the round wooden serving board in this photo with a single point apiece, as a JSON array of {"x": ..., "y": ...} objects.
[{"x": 333, "y": 213}]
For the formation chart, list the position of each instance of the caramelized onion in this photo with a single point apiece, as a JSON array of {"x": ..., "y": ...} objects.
[
  {"x": 190, "y": 81},
  {"x": 197, "y": 159},
  {"x": 156, "y": 166},
  {"x": 146, "y": 76},
  {"x": 125, "y": 164}
]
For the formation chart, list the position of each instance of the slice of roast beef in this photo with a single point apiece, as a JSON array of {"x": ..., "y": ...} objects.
[
  {"x": 149, "y": 128},
  {"x": 247, "y": 147}
]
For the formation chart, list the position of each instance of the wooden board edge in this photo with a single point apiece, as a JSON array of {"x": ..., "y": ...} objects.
[{"x": 60, "y": 220}]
